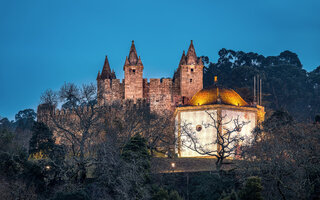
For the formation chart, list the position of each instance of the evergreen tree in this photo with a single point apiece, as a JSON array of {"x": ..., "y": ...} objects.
[
  {"x": 317, "y": 119},
  {"x": 137, "y": 158},
  {"x": 42, "y": 142},
  {"x": 6, "y": 138},
  {"x": 25, "y": 119},
  {"x": 136, "y": 150},
  {"x": 252, "y": 189}
]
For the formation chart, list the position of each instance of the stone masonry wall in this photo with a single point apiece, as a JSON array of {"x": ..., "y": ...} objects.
[
  {"x": 191, "y": 80},
  {"x": 133, "y": 84},
  {"x": 146, "y": 88},
  {"x": 160, "y": 93},
  {"x": 110, "y": 90}
]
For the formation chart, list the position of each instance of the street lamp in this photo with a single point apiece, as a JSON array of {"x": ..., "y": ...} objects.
[{"x": 173, "y": 165}]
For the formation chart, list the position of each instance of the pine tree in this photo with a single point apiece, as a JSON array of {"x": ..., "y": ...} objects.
[
  {"x": 252, "y": 189},
  {"x": 137, "y": 158},
  {"x": 42, "y": 144},
  {"x": 136, "y": 149}
]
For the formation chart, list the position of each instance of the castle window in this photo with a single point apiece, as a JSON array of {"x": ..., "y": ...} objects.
[
  {"x": 134, "y": 70},
  {"x": 198, "y": 128},
  {"x": 190, "y": 80},
  {"x": 191, "y": 70}
]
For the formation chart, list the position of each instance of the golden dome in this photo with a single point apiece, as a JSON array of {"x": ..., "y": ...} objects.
[{"x": 210, "y": 96}]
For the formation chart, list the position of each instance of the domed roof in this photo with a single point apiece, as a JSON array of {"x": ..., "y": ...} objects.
[{"x": 210, "y": 96}]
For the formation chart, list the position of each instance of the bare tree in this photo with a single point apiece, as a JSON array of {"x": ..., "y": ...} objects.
[
  {"x": 285, "y": 154},
  {"x": 119, "y": 178},
  {"x": 77, "y": 124},
  {"x": 228, "y": 138},
  {"x": 16, "y": 189},
  {"x": 137, "y": 119}
]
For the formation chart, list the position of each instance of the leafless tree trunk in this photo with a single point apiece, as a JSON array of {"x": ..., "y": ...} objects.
[
  {"x": 132, "y": 120},
  {"x": 227, "y": 139},
  {"x": 77, "y": 124},
  {"x": 285, "y": 154}
]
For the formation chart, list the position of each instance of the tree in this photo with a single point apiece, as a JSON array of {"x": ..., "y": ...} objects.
[
  {"x": 135, "y": 153},
  {"x": 136, "y": 149},
  {"x": 42, "y": 145},
  {"x": 26, "y": 114},
  {"x": 6, "y": 124},
  {"x": 285, "y": 154},
  {"x": 77, "y": 125},
  {"x": 285, "y": 84},
  {"x": 77, "y": 195},
  {"x": 163, "y": 194},
  {"x": 42, "y": 141},
  {"x": 227, "y": 140},
  {"x": 317, "y": 119},
  {"x": 122, "y": 174},
  {"x": 130, "y": 120},
  {"x": 252, "y": 189},
  {"x": 6, "y": 138}
]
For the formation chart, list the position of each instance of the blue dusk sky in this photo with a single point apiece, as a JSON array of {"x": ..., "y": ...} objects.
[{"x": 46, "y": 43}]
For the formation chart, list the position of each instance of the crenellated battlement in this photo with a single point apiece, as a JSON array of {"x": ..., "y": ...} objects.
[
  {"x": 161, "y": 94},
  {"x": 161, "y": 83},
  {"x": 112, "y": 83}
]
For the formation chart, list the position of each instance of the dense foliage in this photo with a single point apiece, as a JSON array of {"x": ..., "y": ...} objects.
[{"x": 285, "y": 84}]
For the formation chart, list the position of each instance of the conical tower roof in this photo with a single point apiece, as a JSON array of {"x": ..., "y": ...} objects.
[
  {"x": 126, "y": 63},
  {"x": 191, "y": 55},
  {"x": 106, "y": 71},
  {"x": 133, "y": 56},
  {"x": 139, "y": 63},
  {"x": 183, "y": 59}
]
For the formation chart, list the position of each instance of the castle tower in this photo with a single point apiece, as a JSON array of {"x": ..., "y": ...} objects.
[
  {"x": 190, "y": 73},
  {"x": 133, "y": 70},
  {"x": 104, "y": 83},
  {"x": 106, "y": 71}
]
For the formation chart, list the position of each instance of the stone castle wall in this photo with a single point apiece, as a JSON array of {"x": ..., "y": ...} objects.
[
  {"x": 162, "y": 94},
  {"x": 159, "y": 93},
  {"x": 110, "y": 90},
  {"x": 191, "y": 80},
  {"x": 133, "y": 82}
]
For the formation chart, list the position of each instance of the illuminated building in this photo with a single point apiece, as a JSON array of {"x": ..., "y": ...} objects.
[{"x": 223, "y": 104}]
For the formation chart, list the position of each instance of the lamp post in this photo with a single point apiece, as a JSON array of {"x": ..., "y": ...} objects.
[{"x": 173, "y": 165}]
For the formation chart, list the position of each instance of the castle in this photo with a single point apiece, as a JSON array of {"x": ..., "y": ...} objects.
[
  {"x": 182, "y": 97},
  {"x": 161, "y": 94}
]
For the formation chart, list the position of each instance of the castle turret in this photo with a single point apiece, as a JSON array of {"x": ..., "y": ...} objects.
[
  {"x": 183, "y": 59},
  {"x": 133, "y": 71},
  {"x": 191, "y": 55},
  {"x": 105, "y": 81},
  {"x": 190, "y": 73},
  {"x": 106, "y": 71}
]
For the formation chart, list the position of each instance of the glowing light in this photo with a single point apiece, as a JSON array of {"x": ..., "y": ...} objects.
[
  {"x": 48, "y": 167},
  {"x": 173, "y": 165}
]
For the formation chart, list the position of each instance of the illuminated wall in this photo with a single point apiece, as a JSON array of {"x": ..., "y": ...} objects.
[
  {"x": 248, "y": 117},
  {"x": 187, "y": 121},
  {"x": 205, "y": 136}
]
